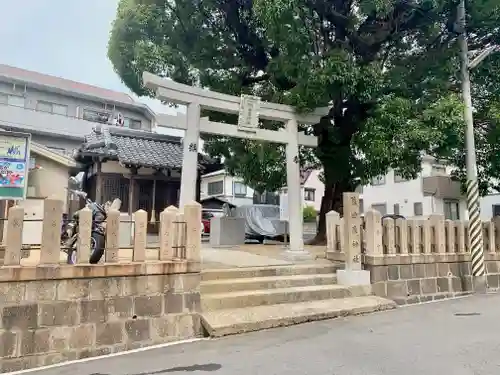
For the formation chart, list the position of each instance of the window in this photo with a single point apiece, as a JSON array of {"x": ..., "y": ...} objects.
[
  {"x": 361, "y": 206},
  {"x": 96, "y": 116},
  {"x": 451, "y": 210},
  {"x": 438, "y": 170},
  {"x": 239, "y": 189},
  {"x": 496, "y": 209},
  {"x": 215, "y": 188},
  {"x": 378, "y": 180},
  {"x": 309, "y": 194},
  {"x": 16, "y": 101},
  {"x": 57, "y": 109},
  {"x": 396, "y": 209},
  {"x": 382, "y": 208},
  {"x": 398, "y": 177},
  {"x": 131, "y": 123},
  {"x": 418, "y": 209},
  {"x": 4, "y": 99}
]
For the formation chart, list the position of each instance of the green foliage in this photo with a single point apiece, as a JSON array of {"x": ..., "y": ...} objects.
[
  {"x": 388, "y": 69},
  {"x": 309, "y": 214}
]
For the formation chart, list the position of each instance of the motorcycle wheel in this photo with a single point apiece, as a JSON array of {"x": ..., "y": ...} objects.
[{"x": 97, "y": 243}]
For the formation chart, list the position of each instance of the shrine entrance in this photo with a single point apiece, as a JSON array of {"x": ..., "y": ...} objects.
[{"x": 250, "y": 110}]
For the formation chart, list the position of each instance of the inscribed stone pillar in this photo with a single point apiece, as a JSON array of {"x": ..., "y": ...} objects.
[
  {"x": 352, "y": 274},
  {"x": 352, "y": 231}
]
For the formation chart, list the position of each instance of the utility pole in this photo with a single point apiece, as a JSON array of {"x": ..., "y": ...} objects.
[{"x": 475, "y": 229}]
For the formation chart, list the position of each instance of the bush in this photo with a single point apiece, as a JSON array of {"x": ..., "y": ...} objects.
[{"x": 309, "y": 214}]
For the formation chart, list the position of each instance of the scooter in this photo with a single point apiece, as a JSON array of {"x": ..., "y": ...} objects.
[{"x": 70, "y": 230}]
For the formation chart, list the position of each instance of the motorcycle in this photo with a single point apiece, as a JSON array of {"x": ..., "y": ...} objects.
[{"x": 70, "y": 230}]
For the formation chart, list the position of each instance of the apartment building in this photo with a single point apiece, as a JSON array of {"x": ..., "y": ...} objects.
[
  {"x": 219, "y": 184},
  {"x": 59, "y": 113},
  {"x": 432, "y": 191}
]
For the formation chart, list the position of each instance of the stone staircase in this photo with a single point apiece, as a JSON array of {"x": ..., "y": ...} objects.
[{"x": 251, "y": 299}]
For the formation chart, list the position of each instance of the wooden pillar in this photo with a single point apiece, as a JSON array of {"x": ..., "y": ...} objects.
[{"x": 99, "y": 183}]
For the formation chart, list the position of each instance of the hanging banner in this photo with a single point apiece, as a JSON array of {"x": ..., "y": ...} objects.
[{"x": 14, "y": 164}]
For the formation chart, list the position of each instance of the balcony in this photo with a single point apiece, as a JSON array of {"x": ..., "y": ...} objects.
[
  {"x": 30, "y": 120},
  {"x": 441, "y": 187}
]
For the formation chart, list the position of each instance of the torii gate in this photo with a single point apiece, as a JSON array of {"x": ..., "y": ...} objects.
[{"x": 250, "y": 110}]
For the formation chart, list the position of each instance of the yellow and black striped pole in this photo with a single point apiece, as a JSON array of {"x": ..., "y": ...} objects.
[{"x": 475, "y": 229}]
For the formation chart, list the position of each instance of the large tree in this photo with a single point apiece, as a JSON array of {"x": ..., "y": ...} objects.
[{"x": 387, "y": 69}]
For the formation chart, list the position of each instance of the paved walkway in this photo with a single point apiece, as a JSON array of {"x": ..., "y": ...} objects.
[{"x": 457, "y": 337}]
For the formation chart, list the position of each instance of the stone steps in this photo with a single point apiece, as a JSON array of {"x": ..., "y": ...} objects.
[
  {"x": 250, "y": 272},
  {"x": 249, "y": 299},
  {"x": 233, "y": 321},
  {"x": 266, "y": 282},
  {"x": 273, "y": 296}
]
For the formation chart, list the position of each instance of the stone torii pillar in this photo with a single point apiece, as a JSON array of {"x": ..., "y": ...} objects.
[{"x": 250, "y": 110}]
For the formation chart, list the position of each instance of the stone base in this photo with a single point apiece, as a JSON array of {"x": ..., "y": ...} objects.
[
  {"x": 353, "y": 277},
  {"x": 479, "y": 284},
  {"x": 297, "y": 255}
]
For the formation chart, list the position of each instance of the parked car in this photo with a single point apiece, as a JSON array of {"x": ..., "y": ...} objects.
[{"x": 206, "y": 216}]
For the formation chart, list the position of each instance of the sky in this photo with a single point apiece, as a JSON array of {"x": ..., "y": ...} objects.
[{"x": 64, "y": 38}]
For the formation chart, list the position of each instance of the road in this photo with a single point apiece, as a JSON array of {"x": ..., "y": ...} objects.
[{"x": 457, "y": 337}]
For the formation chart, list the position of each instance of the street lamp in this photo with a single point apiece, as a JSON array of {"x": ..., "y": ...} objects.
[{"x": 475, "y": 229}]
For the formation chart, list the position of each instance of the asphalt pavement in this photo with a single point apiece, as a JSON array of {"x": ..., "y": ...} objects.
[{"x": 455, "y": 337}]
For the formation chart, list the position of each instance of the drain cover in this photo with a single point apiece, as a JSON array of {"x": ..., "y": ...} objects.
[{"x": 467, "y": 314}]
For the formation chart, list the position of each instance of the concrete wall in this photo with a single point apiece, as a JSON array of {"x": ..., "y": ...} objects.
[{"x": 50, "y": 315}]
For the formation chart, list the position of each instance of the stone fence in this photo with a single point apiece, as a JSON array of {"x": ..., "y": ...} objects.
[
  {"x": 411, "y": 260},
  {"x": 52, "y": 312}
]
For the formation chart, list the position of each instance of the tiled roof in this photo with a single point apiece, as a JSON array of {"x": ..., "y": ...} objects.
[
  {"x": 134, "y": 148},
  {"x": 63, "y": 84}
]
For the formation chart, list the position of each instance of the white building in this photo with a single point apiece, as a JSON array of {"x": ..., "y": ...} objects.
[
  {"x": 312, "y": 189},
  {"x": 432, "y": 191},
  {"x": 220, "y": 184}
]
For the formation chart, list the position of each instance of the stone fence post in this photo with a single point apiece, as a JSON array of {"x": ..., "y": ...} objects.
[
  {"x": 332, "y": 220},
  {"x": 140, "y": 236},
  {"x": 192, "y": 215},
  {"x": 14, "y": 242},
  {"x": 84, "y": 234},
  {"x": 167, "y": 237},
  {"x": 353, "y": 274},
  {"x": 51, "y": 231},
  {"x": 373, "y": 233},
  {"x": 112, "y": 236}
]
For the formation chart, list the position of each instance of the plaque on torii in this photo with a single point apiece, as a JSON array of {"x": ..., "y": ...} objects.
[{"x": 248, "y": 117}]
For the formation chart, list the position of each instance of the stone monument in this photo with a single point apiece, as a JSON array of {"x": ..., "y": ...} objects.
[{"x": 352, "y": 274}]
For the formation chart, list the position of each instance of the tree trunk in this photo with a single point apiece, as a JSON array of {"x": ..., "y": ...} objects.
[{"x": 332, "y": 200}]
